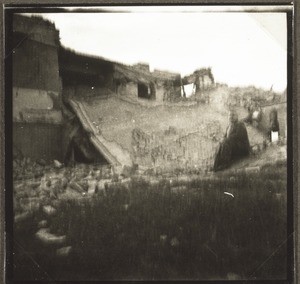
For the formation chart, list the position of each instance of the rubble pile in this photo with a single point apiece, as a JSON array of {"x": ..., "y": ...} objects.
[
  {"x": 38, "y": 190},
  {"x": 41, "y": 187},
  {"x": 37, "y": 186},
  {"x": 25, "y": 168}
]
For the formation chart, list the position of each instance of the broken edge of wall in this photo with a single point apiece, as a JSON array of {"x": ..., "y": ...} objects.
[{"x": 111, "y": 151}]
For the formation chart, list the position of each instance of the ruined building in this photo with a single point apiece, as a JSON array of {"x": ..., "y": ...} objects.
[
  {"x": 199, "y": 82},
  {"x": 76, "y": 107}
]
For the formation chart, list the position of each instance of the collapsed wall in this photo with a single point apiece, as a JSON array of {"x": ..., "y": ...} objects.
[
  {"x": 176, "y": 148},
  {"x": 201, "y": 81},
  {"x": 179, "y": 135}
]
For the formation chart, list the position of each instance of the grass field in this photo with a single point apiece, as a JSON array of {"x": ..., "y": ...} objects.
[{"x": 225, "y": 227}]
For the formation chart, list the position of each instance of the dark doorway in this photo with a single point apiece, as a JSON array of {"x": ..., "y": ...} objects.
[{"x": 143, "y": 91}]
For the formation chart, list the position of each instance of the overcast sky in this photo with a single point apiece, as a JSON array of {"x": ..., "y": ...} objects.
[{"x": 241, "y": 48}]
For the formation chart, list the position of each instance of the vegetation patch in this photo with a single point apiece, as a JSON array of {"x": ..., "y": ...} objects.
[{"x": 226, "y": 227}]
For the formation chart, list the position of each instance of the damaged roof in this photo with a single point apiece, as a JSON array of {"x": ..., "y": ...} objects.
[
  {"x": 138, "y": 76},
  {"x": 143, "y": 76}
]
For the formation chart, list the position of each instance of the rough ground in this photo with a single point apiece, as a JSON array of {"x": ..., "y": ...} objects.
[
  {"x": 55, "y": 183},
  {"x": 40, "y": 190},
  {"x": 48, "y": 209},
  {"x": 272, "y": 154}
]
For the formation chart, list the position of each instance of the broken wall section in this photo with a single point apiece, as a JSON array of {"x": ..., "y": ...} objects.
[
  {"x": 202, "y": 82},
  {"x": 175, "y": 148},
  {"x": 138, "y": 82}
]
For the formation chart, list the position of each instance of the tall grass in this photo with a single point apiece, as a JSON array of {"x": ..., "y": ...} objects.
[{"x": 195, "y": 231}]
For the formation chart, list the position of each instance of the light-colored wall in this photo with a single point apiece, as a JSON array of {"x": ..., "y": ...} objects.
[
  {"x": 129, "y": 89},
  {"x": 207, "y": 81},
  {"x": 31, "y": 99},
  {"x": 159, "y": 93},
  {"x": 41, "y": 116},
  {"x": 204, "y": 82}
]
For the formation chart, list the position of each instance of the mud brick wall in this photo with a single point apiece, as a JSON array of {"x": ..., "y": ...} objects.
[
  {"x": 171, "y": 93},
  {"x": 160, "y": 91},
  {"x": 141, "y": 145},
  {"x": 129, "y": 89},
  {"x": 177, "y": 148},
  {"x": 205, "y": 82}
]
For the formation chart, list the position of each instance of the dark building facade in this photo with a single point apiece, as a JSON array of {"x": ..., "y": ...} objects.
[{"x": 37, "y": 89}]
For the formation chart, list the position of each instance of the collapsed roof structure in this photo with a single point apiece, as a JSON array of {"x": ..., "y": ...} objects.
[{"x": 77, "y": 107}]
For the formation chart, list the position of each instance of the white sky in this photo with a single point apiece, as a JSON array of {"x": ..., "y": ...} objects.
[{"x": 241, "y": 48}]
